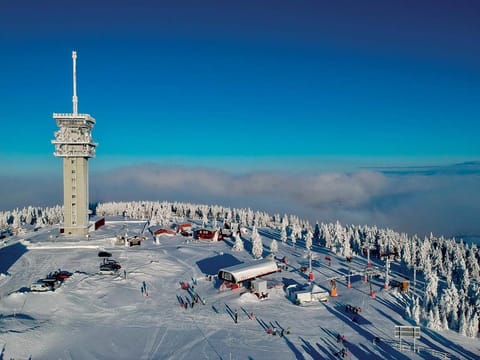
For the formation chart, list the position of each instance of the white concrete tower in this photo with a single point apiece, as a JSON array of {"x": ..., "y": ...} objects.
[{"x": 73, "y": 142}]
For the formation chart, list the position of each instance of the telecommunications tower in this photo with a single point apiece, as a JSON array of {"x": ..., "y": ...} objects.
[{"x": 73, "y": 142}]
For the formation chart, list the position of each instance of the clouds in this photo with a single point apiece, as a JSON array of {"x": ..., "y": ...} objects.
[
  {"x": 409, "y": 199},
  {"x": 17, "y": 191},
  {"x": 312, "y": 190}
]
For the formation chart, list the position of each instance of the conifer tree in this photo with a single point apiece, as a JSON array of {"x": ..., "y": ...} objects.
[
  {"x": 316, "y": 234},
  {"x": 308, "y": 239},
  {"x": 293, "y": 237},
  {"x": 274, "y": 246},
  {"x": 473, "y": 325},
  {"x": 257, "y": 245},
  {"x": 283, "y": 234},
  {"x": 238, "y": 245}
]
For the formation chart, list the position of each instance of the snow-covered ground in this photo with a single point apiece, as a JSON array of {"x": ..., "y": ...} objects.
[{"x": 93, "y": 316}]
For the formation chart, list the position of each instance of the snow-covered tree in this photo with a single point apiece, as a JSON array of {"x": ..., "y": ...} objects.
[
  {"x": 283, "y": 234},
  {"x": 450, "y": 303},
  {"x": 326, "y": 238},
  {"x": 257, "y": 245},
  {"x": 430, "y": 297},
  {"x": 274, "y": 246},
  {"x": 462, "y": 324},
  {"x": 204, "y": 218},
  {"x": 433, "y": 321},
  {"x": 316, "y": 234},
  {"x": 416, "y": 310},
  {"x": 293, "y": 237},
  {"x": 238, "y": 245},
  {"x": 308, "y": 239},
  {"x": 472, "y": 325}
]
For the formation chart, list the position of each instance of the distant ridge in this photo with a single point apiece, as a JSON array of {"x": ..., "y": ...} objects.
[{"x": 463, "y": 168}]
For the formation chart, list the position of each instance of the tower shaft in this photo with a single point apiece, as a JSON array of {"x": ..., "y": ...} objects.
[{"x": 75, "y": 195}]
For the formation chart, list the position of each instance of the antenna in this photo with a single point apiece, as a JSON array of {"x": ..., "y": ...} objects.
[{"x": 74, "y": 98}]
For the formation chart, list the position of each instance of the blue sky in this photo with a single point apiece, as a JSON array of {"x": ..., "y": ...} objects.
[{"x": 243, "y": 87}]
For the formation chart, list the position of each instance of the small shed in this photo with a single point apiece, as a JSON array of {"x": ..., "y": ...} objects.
[
  {"x": 135, "y": 240},
  {"x": 402, "y": 284},
  {"x": 305, "y": 294},
  {"x": 99, "y": 223},
  {"x": 259, "y": 286},
  {"x": 164, "y": 231},
  {"x": 207, "y": 234},
  {"x": 185, "y": 229}
]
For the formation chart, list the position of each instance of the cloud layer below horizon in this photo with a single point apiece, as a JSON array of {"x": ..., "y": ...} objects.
[{"x": 439, "y": 200}]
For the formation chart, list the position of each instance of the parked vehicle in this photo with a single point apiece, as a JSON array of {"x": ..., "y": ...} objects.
[
  {"x": 104, "y": 254},
  {"x": 107, "y": 269},
  {"x": 59, "y": 275},
  {"x": 53, "y": 283},
  {"x": 62, "y": 275},
  {"x": 112, "y": 263},
  {"x": 186, "y": 233},
  {"x": 40, "y": 286}
]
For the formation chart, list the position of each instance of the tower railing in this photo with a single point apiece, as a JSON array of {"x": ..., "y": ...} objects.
[{"x": 73, "y": 116}]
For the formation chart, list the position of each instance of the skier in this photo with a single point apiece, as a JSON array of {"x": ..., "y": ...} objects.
[
  {"x": 236, "y": 316},
  {"x": 274, "y": 331}
]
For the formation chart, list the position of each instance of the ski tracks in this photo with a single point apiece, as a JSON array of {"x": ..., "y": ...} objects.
[{"x": 153, "y": 344}]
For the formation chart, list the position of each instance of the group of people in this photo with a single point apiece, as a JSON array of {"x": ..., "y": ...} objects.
[
  {"x": 185, "y": 302},
  {"x": 344, "y": 351},
  {"x": 273, "y": 330}
]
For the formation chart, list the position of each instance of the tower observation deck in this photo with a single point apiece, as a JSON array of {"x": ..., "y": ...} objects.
[{"x": 73, "y": 142}]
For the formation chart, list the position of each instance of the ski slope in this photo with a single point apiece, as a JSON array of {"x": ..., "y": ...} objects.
[{"x": 93, "y": 316}]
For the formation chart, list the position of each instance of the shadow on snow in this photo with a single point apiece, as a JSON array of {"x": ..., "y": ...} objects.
[
  {"x": 9, "y": 256},
  {"x": 212, "y": 264}
]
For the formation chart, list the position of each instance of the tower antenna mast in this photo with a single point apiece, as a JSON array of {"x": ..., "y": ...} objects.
[{"x": 75, "y": 98}]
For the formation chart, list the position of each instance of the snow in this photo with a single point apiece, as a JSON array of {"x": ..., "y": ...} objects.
[{"x": 94, "y": 316}]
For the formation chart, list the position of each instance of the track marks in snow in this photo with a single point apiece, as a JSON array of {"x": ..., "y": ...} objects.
[{"x": 153, "y": 343}]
